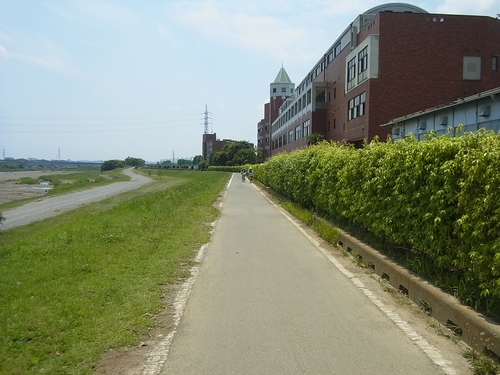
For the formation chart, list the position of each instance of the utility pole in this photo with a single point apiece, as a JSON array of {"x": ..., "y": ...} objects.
[{"x": 173, "y": 157}]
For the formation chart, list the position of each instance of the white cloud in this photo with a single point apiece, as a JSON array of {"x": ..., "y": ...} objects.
[
  {"x": 165, "y": 33},
  {"x": 341, "y": 8},
  {"x": 271, "y": 35},
  {"x": 108, "y": 12},
  {"x": 3, "y": 52},
  {"x": 36, "y": 50},
  {"x": 478, "y": 7}
]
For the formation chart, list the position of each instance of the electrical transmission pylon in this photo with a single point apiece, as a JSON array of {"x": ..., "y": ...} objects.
[{"x": 206, "y": 118}]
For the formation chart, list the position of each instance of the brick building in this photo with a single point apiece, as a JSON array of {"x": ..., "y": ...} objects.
[
  {"x": 280, "y": 90},
  {"x": 211, "y": 144},
  {"x": 392, "y": 60}
]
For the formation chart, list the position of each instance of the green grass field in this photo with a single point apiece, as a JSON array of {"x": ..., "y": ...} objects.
[{"x": 92, "y": 279}]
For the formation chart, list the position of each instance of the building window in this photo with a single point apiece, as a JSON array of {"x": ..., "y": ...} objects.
[
  {"x": 290, "y": 136},
  {"x": 363, "y": 60},
  {"x": 351, "y": 73},
  {"x": 307, "y": 128},
  {"x": 356, "y": 106},
  {"x": 283, "y": 89},
  {"x": 274, "y": 90},
  {"x": 494, "y": 63},
  {"x": 351, "y": 110},
  {"x": 329, "y": 59},
  {"x": 363, "y": 65},
  {"x": 297, "y": 132},
  {"x": 337, "y": 50}
]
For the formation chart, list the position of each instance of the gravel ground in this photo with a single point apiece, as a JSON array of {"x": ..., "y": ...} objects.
[
  {"x": 11, "y": 190},
  {"x": 49, "y": 207}
]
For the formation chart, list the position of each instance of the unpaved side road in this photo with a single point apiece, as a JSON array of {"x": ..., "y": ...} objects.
[{"x": 49, "y": 207}]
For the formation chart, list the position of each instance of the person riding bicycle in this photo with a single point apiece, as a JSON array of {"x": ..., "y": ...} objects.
[
  {"x": 243, "y": 172},
  {"x": 250, "y": 174}
]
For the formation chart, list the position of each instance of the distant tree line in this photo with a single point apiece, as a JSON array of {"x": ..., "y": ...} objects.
[
  {"x": 109, "y": 165},
  {"x": 234, "y": 153},
  {"x": 11, "y": 164},
  {"x": 181, "y": 162}
]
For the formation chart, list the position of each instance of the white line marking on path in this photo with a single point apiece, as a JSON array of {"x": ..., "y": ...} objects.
[{"x": 432, "y": 352}]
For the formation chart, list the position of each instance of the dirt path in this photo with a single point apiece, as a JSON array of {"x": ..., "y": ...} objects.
[{"x": 45, "y": 208}]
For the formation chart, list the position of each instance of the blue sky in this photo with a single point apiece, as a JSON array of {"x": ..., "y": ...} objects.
[{"x": 100, "y": 80}]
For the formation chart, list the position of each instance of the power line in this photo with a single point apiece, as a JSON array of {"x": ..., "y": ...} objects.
[
  {"x": 98, "y": 124},
  {"x": 91, "y": 118},
  {"x": 39, "y": 131}
]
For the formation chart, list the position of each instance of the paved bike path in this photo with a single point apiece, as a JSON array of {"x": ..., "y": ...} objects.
[{"x": 267, "y": 301}]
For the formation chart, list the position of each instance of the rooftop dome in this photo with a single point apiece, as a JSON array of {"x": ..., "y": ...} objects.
[{"x": 395, "y": 7}]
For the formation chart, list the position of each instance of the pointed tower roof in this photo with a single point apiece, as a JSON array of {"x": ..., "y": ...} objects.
[{"x": 282, "y": 77}]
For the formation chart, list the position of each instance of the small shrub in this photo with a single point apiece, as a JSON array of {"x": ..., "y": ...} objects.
[{"x": 28, "y": 181}]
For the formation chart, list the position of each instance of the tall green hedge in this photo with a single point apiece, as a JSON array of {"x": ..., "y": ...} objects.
[{"x": 440, "y": 196}]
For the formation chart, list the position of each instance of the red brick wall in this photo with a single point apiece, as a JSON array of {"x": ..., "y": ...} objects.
[
  {"x": 420, "y": 66},
  {"x": 421, "y": 62}
]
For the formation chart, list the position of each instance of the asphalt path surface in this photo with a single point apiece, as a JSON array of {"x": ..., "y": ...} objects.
[
  {"x": 267, "y": 301},
  {"x": 49, "y": 207}
]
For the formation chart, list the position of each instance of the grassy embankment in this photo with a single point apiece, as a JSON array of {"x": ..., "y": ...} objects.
[
  {"x": 92, "y": 279},
  {"x": 70, "y": 181}
]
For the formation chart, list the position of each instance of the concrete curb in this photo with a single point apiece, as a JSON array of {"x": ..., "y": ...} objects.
[{"x": 474, "y": 329}]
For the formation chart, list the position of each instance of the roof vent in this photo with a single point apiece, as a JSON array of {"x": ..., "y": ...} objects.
[
  {"x": 443, "y": 121},
  {"x": 484, "y": 111}
]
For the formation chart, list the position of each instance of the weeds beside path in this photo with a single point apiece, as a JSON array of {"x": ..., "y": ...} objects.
[{"x": 91, "y": 279}]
